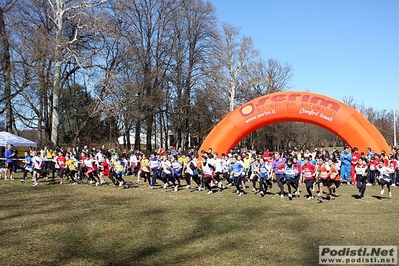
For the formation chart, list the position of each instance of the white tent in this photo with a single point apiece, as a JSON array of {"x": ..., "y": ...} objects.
[{"x": 17, "y": 141}]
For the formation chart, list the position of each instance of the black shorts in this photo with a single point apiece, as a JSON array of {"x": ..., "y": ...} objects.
[
  {"x": 323, "y": 182},
  {"x": 326, "y": 183},
  {"x": 385, "y": 181},
  {"x": 10, "y": 165},
  {"x": 61, "y": 172},
  {"x": 144, "y": 174}
]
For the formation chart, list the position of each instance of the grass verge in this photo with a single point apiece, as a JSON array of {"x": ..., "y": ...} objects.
[{"x": 88, "y": 225}]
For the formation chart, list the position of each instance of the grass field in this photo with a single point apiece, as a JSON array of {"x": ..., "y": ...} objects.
[{"x": 88, "y": 225}]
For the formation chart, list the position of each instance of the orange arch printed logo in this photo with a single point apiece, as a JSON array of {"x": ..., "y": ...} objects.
[
  {"x": 315, "y": 102},
  {"x": 247, "y": 109}
]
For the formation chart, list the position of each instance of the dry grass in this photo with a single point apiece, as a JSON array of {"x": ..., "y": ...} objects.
[{"x": 85, "y": 225}]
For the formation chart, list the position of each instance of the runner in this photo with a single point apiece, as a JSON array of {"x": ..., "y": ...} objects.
[
  {"x": 105, "y": 171},
  {"x": 28, "y": 166},
  {"x": 167, "y": 175},
  {"x": 323, "y": 177},
  {"x": 60, "y": 161},
  {"x": 154, "y": 164},
  {"x": 177, "y": 170},
  {"x": 207, "y": 174},
  {"x": 361, "y": 170},
  {"x": 37, "y": 168},
  {"x": 71, "y": 169},
  {"x": 290, "y": 171},
  {"x": 191, "y": 172},
  {"x": 384, "y": 177},
  {"x": 309, "y": 174},
  {"x": 265, "y": 177},
  {"x": 277, "y": 167},
  {"x": 237, "y": 170},
  {"x": 373, "y": 172},
  {"x": 255, "y": 174}
]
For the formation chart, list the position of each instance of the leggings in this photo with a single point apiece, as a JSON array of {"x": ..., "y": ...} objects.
[
  {"x": 154, "y": 177},
  {"x": 169, "y": 177},
  {"x": 26, "y": 173},
  {"x": 291, "y": 183},
  {"x": 226, "y": 177},
  {"x": 371, "y": 176},
  {"x": 119, "y": 177},
  {"x": 177, "y": 177},
  {"x": 264, "y": 183},
  {"x": 71, "y": 175},
  {"x": 309, "y": 186},
  {"x": 297, "y": 178},
  {"x": 146, "y": 176},
  {"x": 361, "y": 184},
  {"x": 217, "y": 176},
  {"x": 207, "y": 181},
  {"x": 238, "y": 182},
  {"x": 254, "y": 179},
  {"x": 280, "y": 184}
]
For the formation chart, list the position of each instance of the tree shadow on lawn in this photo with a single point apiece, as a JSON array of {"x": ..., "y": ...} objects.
[
  {"x": 191, "y": 248},
  {"x": 192, "y": 243}
]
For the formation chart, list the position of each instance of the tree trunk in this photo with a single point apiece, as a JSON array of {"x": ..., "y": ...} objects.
[
  {"x": 6, "y": 64},
  {"x": 56, "y": 93},
  {"x": 127, "y": 134},
  {"x": 137, "y": 135},
  {"x": 149, "y": 123}
]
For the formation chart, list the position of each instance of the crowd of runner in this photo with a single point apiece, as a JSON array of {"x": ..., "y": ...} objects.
[{"x": 321, "y": 172}]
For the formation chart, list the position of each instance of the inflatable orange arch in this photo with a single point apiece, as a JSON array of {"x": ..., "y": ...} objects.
[{"x": 294, "y": 106}]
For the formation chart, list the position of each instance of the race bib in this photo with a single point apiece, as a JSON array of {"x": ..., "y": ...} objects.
[
  {"x": 323, "y": 174},
  {"x": 360, "y": 171},
  {"x": 290, "y": 172},
  {"x": 307, "y": 174}
]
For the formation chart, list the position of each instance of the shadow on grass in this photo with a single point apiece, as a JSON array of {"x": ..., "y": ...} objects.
[
  {"x": 379, "y": 197},
  {"x": 356, "y": 196},
  {"x": 191, "y": 247},
  {"x": 122, "y": 228}
]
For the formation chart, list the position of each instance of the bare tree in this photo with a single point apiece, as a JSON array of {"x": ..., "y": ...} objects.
[
  {"x": 193, "y": 26},
  {"x": 59, "y": 11},
  {"x": 235, "y": 55},
  {"x": 6, "y": 64},
  {"x": 148, "y": 37},
  {"x": 55, "y": 47},
  {"x": 349, "y": 100},
  {"x": 266, "y": 77}
]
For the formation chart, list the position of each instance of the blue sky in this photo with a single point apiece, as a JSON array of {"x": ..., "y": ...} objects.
[{"x": 339, "y": 48}]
